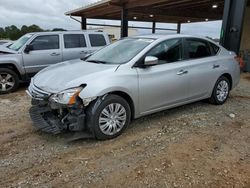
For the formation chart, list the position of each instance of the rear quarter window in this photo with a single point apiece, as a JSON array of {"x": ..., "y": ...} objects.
[
  {"x": 215, "y": 48},
  {"x": 97, "y": 40}
]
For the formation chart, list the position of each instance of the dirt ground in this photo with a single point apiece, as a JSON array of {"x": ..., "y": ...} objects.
[{"x": 197, "y": 145}]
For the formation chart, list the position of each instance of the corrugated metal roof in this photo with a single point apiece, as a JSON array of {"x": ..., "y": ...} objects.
[{"x": 86, "y": 7}]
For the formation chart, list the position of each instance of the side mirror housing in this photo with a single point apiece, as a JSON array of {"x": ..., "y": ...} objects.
[
  {"x": 28, "y": 48},
  {"x": 87, "y": 56},
  {"x": 150, "y": 61}
]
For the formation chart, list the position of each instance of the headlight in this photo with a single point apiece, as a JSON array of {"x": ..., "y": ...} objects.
[{"x": 67, "y": 97}]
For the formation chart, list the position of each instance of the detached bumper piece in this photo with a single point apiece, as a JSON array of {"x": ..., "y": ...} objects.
[{"x": 44, "y": 120}]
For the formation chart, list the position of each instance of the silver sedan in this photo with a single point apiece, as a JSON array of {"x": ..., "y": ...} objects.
[{"x": 128, "y": 79}]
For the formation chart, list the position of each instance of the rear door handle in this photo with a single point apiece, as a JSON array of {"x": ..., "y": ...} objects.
[
  {"x": 216, "y": 66},
  {"x": 181, "y": 72},
  {"x": 55, "y": 54}
]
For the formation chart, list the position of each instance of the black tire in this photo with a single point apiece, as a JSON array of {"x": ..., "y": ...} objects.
[
  {"x": 214, "y": 98},
  {"x": 94, "y": 111},
  {"x": 14, "y": 79}
]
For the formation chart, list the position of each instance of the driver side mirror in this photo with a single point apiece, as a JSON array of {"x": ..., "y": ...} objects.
[
  {"x": 87, "y": 56},
  {"x": 28, "y": 48},
  {"x": 150, "y": 61}
]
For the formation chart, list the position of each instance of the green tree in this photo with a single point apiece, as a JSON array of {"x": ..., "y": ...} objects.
[
  {"x": 24, "y": 29},
  {"x": 2, "y": 33},
  {"x": 58, "y": 29},
  {"x": 34, "y": 28},
  {"x": 12, "y": 32}
]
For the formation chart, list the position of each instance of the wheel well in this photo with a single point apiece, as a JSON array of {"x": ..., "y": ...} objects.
[
  {"x": 229, "y": 77},
  {"x": 12, "y": 67},
  {"x": 128, "y": 99}
]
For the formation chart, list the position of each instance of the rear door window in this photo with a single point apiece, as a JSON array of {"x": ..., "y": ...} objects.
[
  {"x": 46, "y": 42},
  {"x": 197, "y": 48},
  {"x": 97, "y": 40},
  {"x": 74, "y": 41}
]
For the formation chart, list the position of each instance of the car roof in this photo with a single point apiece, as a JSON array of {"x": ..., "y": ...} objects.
[
  {"x": 68, "y": 32},
  {"x": 168, "y": 36}
]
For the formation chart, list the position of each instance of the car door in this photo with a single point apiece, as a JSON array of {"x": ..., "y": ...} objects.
[
  {"x": 74, "y": 46},
  {"x": 45, "y": 51},
  {"x": 204, "y": 67},
  {"x": 164, "y": 84}
]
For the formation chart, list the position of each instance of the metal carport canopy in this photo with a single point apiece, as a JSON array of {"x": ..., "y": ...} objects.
[{"x": 166, "y": 11}]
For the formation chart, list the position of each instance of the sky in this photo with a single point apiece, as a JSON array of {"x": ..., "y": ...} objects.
[{"x": 49, "y": 14}]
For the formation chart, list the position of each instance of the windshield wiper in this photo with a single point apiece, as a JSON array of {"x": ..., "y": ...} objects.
[{"x": 97, "y": 61}]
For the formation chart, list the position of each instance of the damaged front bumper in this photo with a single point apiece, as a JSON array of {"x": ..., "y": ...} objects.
[
  {"x": 55, "y": 118},
  {"x": 52, "y": 121}
]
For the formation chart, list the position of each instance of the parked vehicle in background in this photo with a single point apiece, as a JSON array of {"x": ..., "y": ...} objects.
[
  {"x": 128, "y": 79},
  {"x": 5, "y": 42},
  {"x": 35, "y": 51},
  {"x": 8, "y": 44}
]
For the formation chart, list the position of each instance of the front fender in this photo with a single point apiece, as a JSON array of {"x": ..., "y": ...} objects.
[
  {"x": 15, "y": 60},
  {"x": 125, "y": 81}
]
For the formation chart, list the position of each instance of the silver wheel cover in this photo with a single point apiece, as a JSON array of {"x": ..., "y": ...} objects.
[
  {"x": 112, "y": 119},
  {"x": 222, "y": 91}
]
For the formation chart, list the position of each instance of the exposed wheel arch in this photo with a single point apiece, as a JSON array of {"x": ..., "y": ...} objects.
[
  {"x": 229, "y": 77},
  {"x": 12, "y": 67},
  {"x": 128, "y": 99}
]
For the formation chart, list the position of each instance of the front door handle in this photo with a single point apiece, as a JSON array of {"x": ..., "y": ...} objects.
[
  {"x": 216, "y": 66},
  {"x": 55, "y": 54},
  {"x": 181, "y": 72}
]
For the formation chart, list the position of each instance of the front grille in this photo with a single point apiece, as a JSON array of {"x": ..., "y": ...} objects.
[{"x": 37, "y": 93}]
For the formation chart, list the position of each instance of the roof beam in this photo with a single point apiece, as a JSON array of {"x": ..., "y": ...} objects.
[
  {"x": 142, "y": 3},
  {"x": 177, "y": 13}
]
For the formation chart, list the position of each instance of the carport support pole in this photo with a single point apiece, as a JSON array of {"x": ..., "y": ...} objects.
[
  {"x": 84, "y": 23},
  {"x": 124, "y": 22},
  {"x": 179, "y": 28},
  {"x": 153, "y": 27},
  {"x": 232, "y": 24}
]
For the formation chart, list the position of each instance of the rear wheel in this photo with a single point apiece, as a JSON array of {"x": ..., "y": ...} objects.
[
  {"x": 9, "y": 81},
  {"x": 221, "y": 91},
  {"x": 109, "y": 117}
]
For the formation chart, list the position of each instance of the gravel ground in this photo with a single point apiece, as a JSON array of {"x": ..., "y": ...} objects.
[{"x": 197, "y": 145}]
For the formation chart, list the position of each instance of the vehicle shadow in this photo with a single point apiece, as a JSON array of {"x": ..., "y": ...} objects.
[
  {"x": 23, "y": 86},
  {"x": 142, "y": 122}
]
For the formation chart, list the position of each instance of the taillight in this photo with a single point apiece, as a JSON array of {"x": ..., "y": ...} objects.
[{"x": 240, "y": 61}]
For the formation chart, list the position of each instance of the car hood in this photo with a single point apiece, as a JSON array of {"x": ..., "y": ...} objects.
[
  {"x": 4, "y": 50},
  {"x": 70, "y": 74}
]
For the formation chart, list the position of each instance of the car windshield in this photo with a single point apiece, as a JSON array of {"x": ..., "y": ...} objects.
[
  {"x": 20, "y": 42},
  {"x": 120, "y": 52}
]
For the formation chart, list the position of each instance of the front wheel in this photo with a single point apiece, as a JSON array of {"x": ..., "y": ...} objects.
[
  {"x": 109, "y": 117},
  {"x": 221, "y": 91},
  {"x": 9, "y": 81}
]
